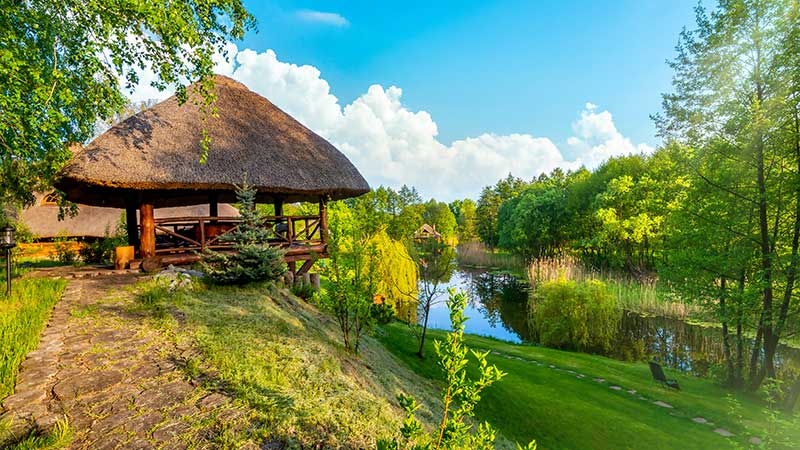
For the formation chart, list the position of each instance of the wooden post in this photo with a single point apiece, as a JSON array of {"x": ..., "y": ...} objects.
[
  {"x": 315, "y": 281},
  {"x": 278, "y": 207},
  {"x": 147, "y": 238},
  {"x": 323, "y": 220},
  {"x": 292, "y": 268},
  {"x": 131, "y": 224}
]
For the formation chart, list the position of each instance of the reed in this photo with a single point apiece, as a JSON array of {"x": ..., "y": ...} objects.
[
  {"x": 644, "y": 296},
  {"x": 476, "y": 254}
]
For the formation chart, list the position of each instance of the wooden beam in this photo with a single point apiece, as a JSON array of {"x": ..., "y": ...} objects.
[
  {"x": 305, "y": 267},
  {"x": 147, "y": 237}
]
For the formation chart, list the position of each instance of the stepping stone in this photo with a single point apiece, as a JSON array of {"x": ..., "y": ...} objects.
[
  {"x": 616, "y": 388},
  {"x": 642, "y": 398},
  {"x": 699, "y": 420},
  {"x": 723, "y": 432},
  {"x": 662, "y": 404},
  {"x": 755, "y": 440},
  {"x": 632, "y": 392},
  {"x": 600, "y": 380},
  {"x": 552, "y": 366},
  {"x": 580, "y": 375}
]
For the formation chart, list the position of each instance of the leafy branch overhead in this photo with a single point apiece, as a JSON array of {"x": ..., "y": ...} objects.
[{"x": 61, "y": 65}]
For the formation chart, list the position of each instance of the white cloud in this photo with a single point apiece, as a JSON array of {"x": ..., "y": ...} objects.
[
  {"x": 328, "y": 18},
  {"x": 393, "y": 145}
]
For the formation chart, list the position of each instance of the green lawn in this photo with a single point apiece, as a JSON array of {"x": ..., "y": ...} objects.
[
  {"x": 22, "y": 317},
  {"x": 562, "y": 411}
]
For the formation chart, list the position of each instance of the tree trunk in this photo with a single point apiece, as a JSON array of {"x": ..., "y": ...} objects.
[{"x": 726, "y": 344}]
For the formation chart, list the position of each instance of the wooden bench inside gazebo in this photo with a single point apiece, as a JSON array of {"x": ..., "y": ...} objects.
[{"x": 152, "y": 160}]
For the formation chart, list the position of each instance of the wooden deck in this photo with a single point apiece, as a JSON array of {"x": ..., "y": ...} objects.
[{"x": 181, "y": 240}]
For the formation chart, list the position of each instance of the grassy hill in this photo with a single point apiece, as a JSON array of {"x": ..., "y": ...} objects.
[{"x": 283, "y": 358}]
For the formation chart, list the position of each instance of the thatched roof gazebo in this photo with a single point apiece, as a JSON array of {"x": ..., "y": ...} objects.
[{"x": 152, "y": 160}]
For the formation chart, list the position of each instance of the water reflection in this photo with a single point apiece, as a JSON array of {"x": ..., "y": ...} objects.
[{"x": 498, "y": 308}]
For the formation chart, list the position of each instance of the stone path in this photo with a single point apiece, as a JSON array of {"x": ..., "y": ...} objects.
[
  {"x": 754, "y": 440},
  {"x": 118, "y": 381}
]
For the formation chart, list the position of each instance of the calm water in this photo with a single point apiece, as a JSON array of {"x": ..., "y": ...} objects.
[{"x": 498, "y": 308}]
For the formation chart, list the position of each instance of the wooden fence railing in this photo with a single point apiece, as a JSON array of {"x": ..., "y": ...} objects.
[{"x": 179, "y": 234}]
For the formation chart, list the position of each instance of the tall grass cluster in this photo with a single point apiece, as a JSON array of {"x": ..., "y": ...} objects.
[
  {"x": 22, "y": 318},
  {"x": 477, "y": 254},
  {"x": 644, "y": 296}
]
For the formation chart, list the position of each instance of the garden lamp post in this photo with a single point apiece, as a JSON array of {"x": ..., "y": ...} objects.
[{"x": 7, "y": 242}]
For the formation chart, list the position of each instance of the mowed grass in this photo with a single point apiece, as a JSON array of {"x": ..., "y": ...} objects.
[
  {"x": 562, "y": 411},
  {"x": 22, "y": 318}
]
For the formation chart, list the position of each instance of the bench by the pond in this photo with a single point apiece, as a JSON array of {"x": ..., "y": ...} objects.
[{"x": 660, "y": 377}]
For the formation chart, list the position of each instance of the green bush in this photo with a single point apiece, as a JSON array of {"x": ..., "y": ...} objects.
[
  {"x": 575, "y": 315},
  {"x": 253, "y": 258},
  {"x": 100, "y": 251},
  {"x": 303, "y": 290},
  {"x": 65, "y": 251}
]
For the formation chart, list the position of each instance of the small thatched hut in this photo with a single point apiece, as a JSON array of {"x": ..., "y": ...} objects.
[
  {"x": 92, "y": 222},
  {"x": 152, "y": 160},
  {"x": 427, "y": 231}
]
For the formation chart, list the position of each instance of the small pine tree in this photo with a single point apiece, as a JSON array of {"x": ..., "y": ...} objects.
[{"x": 253, "y": 258}]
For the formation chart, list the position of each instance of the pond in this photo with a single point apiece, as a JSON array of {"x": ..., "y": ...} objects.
[{"x": 498, "y": 308}]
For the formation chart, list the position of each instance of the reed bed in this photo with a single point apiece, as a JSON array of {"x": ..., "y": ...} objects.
[
  {"x": 644, "y": 296},
  {"x": 476, "y": 254}
]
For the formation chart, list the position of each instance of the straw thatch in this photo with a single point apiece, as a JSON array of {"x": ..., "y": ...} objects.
[
  {"x": 41, "y": 219},
  {"x": 154, "y": 156}
]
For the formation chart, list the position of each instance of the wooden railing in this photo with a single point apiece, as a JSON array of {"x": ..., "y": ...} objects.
[{"x": 180, "y": 234}]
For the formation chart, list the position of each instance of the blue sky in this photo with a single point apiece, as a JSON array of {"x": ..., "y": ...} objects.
[
  {"x": 450, "y": 96},
  {"x": 502, "y": 66}
]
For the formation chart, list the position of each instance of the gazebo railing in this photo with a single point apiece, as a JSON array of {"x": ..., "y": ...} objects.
[{"x": 179, "y": 234}]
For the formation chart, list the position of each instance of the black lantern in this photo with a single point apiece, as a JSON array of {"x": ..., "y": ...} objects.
[{"x": 8, "y": 242}]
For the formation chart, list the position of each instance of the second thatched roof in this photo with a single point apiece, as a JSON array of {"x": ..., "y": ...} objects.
[{"x": 155, "y": 156}]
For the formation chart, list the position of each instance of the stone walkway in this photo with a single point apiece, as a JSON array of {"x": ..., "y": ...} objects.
[{"x": 118, "y": 381}]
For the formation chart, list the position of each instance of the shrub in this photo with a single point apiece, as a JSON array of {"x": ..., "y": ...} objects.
[
  {"x": 100, "y": 251},
  {"x": 460, "y": 396},
  {"x": 574, "y": 315},
  {"x": 65, "y": 251},
  {"x": 253, "y": 258},
  {"x": 383, "y": 312},
  {"x": 303, "y": 290}
]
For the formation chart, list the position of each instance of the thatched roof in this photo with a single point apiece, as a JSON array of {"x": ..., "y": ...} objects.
[
  {"x": 155, "y": 155},
  {"x": 41, "y": 219},
  {"x": 427, "y": 231}
]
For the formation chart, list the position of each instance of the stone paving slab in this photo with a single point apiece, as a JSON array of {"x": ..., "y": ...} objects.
[{"x": 117, "y": 380}]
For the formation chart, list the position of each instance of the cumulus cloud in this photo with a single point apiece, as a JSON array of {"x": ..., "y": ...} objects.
[
  {"x": 393, "y": 145},
  {"x": 328, "y": 18}
]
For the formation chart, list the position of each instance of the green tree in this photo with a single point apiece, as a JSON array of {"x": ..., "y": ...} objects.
[
  {"x": 491, "y": 198},
  {"x": 440, "y": 215},
  {"x": 253, "y": 259},
  {"x": 736, "y": 100},
  {"x": 60, "y": 65},
  {"x": 465, "y": 212}
]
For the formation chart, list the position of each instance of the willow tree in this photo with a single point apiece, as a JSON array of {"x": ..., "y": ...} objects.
[
  {"x": 61, "y": 63},
  {"x": 735, "y": 104},
  {"x": 397, "y": 275}
]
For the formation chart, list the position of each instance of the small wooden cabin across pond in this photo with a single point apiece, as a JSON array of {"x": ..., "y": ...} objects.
[{"x": 152, "y": 160}]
